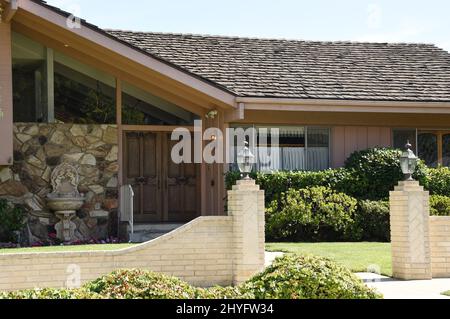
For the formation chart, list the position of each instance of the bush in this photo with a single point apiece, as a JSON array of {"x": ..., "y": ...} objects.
[
  {"x": 376, "y": 171},
  {"x": 50, "y": 293},
  {"x": 311, "y": 214},
  {"x": 438, "y": 181},
  {"x": 140, "y": 284},
  {"x": 372, "y": 221},
  {"x": 12, "y": 219},
  {"x": 308, "y": 277},
  {"x": 224, "y": 293},
  {"x": 439, "y": 205},
  {"x": 278, "y": 183}
]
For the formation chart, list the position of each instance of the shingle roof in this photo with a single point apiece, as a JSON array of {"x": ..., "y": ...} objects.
[
  {"x": 252, "y": 67},
  {"x": 306, "y": 69}
]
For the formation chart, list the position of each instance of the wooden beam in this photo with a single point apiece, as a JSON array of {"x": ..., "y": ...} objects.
[
  {"x": 236, "y": 114},
  {"x": 50, "y": 85},
  {"x": 10, "y": 11}
]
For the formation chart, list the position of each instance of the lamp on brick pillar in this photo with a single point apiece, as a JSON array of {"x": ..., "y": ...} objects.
[
  {"x": 245, "y": 160},
  {"x": 246, "y": 207},
  {"x": 409, "y": 214}
]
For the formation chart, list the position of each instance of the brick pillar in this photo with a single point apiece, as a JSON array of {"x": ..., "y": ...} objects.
[
  {"x": 6, "y": 96},
  {"x": 246, "y": 206},
  {"x": 410, "y": 214}
]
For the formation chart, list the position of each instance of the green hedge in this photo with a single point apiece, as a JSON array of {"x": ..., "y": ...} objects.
[
  {"x": 289, "y": 277},
  {"x": 310, "y": 214},
  {"x": 438, "y": 181},
  {"x": 372, "y": 221}
]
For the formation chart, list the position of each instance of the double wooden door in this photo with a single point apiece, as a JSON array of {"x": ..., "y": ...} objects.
[{"x": 164, "y": 191}]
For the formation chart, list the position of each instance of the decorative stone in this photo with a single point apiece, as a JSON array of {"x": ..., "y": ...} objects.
[
  {"x": 110, "y": 135},
  {"x": 5, "y": 174},
  {"x": 33, "y": 170},
  {"x": 34, "y": 203},
  {"x": 88, "y": 159},
  {"x": 80, "y": 141},
  {"x": 78, "y": 130},
  {"x": 97, "y": 189},
  {"x": 32, "y": 130},
  {"x": 33, "y": 160},
  {"x": 113, "y": 154},
  {"x": 55, "y": 150},
  {"x": 46, "y": 175},
  {"x": 72, "y": 157},
  {"x": 91, "y": 223},
  {"x": 58, "y": 138},
  {"x": 23, "y": 137},
  {"x": 113, "y": 182},
  {"x": 40, "y": 154},
  {"x": 13, "y": 188},
  {"x": 44, "y": 221},
  {"x": 111, "y": 204},
  {"x": 96, "y": 132},
  {"x": 99, "y": 214}
]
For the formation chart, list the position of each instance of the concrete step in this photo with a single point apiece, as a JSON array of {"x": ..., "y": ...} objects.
[
  {"x": 155, "y": 227},
  {"x": 146, "y": 232}
]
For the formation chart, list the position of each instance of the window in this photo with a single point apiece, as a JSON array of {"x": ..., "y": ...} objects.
[
  {"x": 431, "y": 146},
  {"x": 83, "y": 95},
  {"x": 434, "y": 147},
  {"x": 300, "y": 149},
  {"x": 402, "y": 136},
  {"x": 142, "y": 108},
  {"x": 29, "y": 80}
]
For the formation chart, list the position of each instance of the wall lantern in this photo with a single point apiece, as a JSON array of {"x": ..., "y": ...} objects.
[
  {"x": 408, "y": 162},
  {"x": 245, "y": 160}
]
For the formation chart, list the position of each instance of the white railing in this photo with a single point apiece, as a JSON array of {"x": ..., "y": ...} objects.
[{"x": 126, "y": 206}]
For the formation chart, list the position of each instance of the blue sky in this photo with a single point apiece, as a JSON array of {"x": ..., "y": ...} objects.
[{"x": 354, "y": 20}]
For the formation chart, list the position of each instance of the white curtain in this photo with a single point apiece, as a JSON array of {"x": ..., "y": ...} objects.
[
  {"x": 318, "y": 158},
  {"x": 293, "y": 158},
  {"x": 269, "y": 159}
]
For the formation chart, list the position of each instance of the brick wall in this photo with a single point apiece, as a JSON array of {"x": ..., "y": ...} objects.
[
  {"x": 213, "y": 250},
  {"x": 199, "y": 252},
  {"x": 440, "y": 246}
]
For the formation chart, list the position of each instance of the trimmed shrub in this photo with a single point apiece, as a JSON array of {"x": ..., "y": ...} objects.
[
  {"x": 224, "y": 293},
  {"x": 438, "y": 181},
  {"x": 50, "y": 293},
  {"x": 372, "y": 221},
  {"x": 140, "y": 284},
  {"x": 12, "y": 219},
  {"x": 377, "y": 171},
  {"x": 439, "y": 205},
  {"x": 311, "y": 214},
  {"x": 308, "y": 277},
  {"x": 278, "y": 183}
]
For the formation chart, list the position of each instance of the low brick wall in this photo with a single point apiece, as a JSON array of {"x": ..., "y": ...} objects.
[
  {"x": 440, "y": 246},
  {"x": 214, "y": 250},
  {"x": 200, "y": 252}
]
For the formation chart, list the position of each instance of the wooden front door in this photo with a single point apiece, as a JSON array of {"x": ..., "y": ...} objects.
[{"x": 164, "y": 191}]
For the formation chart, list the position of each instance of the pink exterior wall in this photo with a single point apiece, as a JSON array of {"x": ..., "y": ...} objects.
[
  {"x": 6, "y": 123},
  {"x": 347, "y": 139}
]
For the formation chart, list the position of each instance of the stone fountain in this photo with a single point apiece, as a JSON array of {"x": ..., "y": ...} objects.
[{"x": 65, "y": 199}]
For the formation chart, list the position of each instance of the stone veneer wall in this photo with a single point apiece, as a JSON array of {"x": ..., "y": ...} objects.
[
  {"x": 440, "y": 246},
  {"x": 38, "y": 148}
]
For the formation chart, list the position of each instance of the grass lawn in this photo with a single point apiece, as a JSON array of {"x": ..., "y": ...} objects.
[
  {"x": 447, "y": 293},
  {"x": 65, "y": 248},
  {"x": 356, "y": 256}
]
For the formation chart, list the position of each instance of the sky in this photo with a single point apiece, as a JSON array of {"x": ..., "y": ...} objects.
[{"x": 321, "y": 20}]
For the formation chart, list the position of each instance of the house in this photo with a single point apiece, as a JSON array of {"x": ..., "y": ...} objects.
[{"x": 108, "y": 101}]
